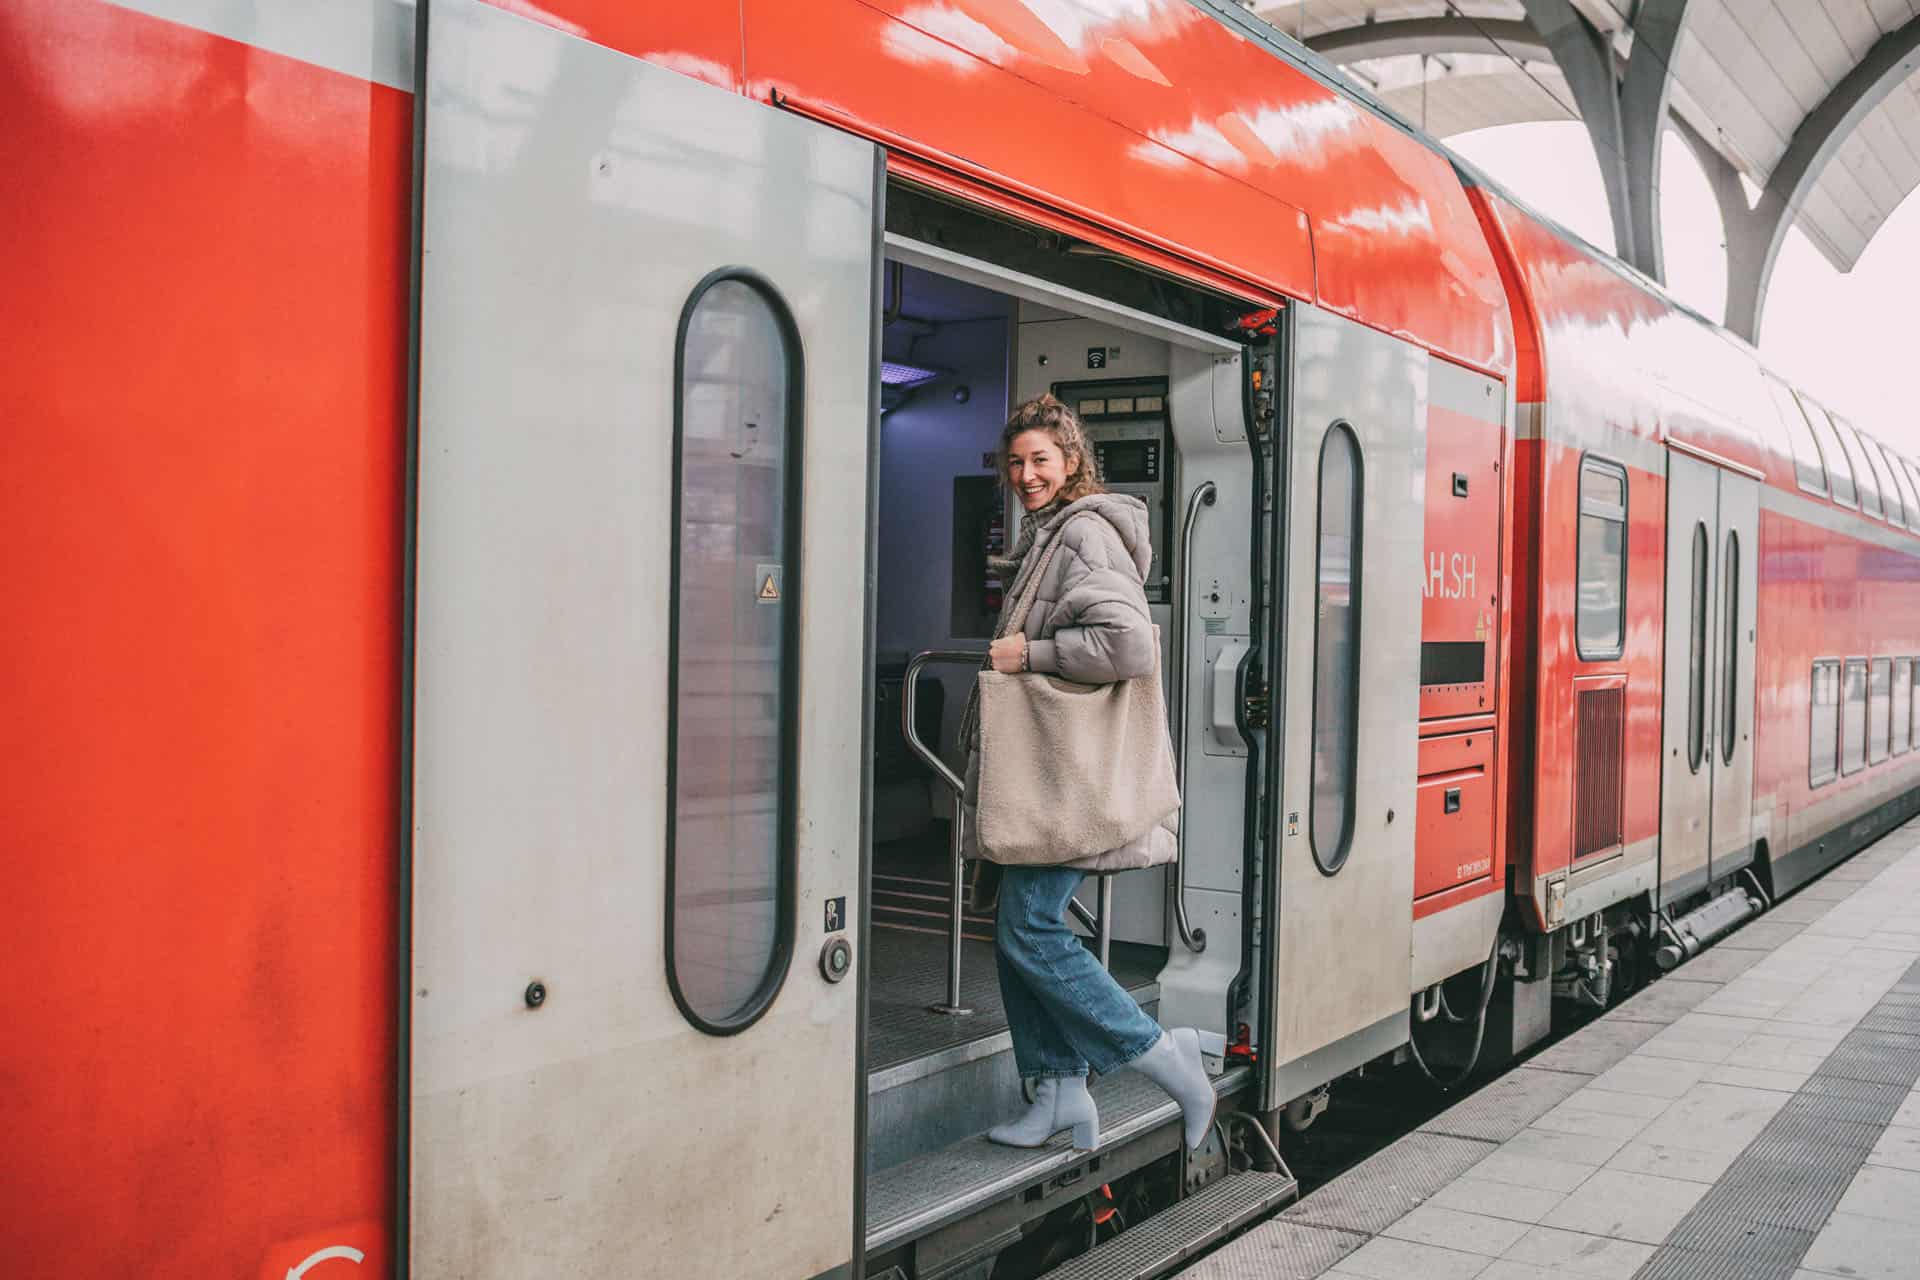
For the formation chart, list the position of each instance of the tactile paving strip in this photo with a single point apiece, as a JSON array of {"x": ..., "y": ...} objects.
[
  {"x": 1671, "y": 1263},
  {"x": 1876, "y": 1102},
  {"x": 1873, "y": 1063},
  {"x": 1759, "y": 1240},
  {"x": 1895, "y": 1022},
  {"x": 1758, "y": 1221},
  {"x": 1794, "y": 1126},
  {"x": 1789, "y": 1195},
  {"x": 1378, "y": 1192}
]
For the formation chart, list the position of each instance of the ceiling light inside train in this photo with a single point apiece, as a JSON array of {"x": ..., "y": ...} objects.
[{"x": 902, "y": 376}]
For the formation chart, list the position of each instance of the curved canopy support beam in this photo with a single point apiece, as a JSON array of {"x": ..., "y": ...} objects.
[
  {"x": 1644, "y": 95},
  {"x": 1624, "y": 108},
  {"x": 1433, "y": 37},
  {"x": 1754, "y": 240},
  {"x": 1722, "y": 178},
  {"x": 1587, "y": 62}
]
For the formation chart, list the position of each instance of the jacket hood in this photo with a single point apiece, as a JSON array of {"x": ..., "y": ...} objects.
[{"x": 1128, "y": 516}]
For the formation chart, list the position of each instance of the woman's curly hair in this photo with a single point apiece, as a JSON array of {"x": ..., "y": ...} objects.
[{"x": 1045, "y": 413}]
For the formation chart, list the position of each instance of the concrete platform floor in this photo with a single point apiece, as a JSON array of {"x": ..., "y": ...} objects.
[{"x": 1752, "y": 1115}]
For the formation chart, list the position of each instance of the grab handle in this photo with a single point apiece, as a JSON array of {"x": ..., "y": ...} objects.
[
  {"x": 909, "y": 727},
  {"x": 1204, "y": 495}
]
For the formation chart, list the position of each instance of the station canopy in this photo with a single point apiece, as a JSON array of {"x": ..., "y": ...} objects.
[{"x": 1827, "y": 92}]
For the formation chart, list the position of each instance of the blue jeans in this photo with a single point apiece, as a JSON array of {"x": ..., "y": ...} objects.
[{"x": 1066, "y": 1013}]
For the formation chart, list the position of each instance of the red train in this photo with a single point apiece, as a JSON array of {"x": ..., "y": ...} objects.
[{"x": 498, "y": 490}]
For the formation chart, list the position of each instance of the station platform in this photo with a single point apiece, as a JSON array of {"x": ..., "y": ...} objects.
[{"x": 1751, "y": 1115}]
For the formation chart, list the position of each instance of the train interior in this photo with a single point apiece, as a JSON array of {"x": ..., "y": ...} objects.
[
  {"x": 950, "y": 350},
  {"x": 957, "y": 354}
]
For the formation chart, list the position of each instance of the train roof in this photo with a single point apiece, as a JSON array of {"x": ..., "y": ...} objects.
[{"x": 1188, "y": 134}]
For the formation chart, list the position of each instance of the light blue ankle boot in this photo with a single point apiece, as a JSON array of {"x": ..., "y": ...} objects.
[
  {"x": 1174, "y": 1063},
  {"x": 1059, "y": 1102}
]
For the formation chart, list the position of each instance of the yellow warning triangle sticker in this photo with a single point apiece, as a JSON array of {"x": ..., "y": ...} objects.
[{"x": 769, "y": 590}]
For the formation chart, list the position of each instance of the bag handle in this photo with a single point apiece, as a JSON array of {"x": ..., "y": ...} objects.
[{"x": 1023, "y": 602}]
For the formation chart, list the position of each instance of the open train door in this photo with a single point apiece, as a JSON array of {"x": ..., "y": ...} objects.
[
  {"x": 1346, "y": 719},
  {"x": 646, "y": 317}
]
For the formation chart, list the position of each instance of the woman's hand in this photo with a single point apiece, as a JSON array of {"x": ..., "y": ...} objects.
[{"x": 1009, "y": 654}]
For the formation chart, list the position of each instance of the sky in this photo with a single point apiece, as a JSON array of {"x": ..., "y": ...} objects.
[{"x": 1848, "y": 339}]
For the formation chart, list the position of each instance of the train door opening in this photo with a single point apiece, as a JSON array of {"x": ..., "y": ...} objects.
[
  {"x": 961, "y": 342},
  {"x": 1706, "y": 792}
]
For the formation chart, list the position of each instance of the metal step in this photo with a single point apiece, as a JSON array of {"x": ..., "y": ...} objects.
[
  {"x": 930, "y": 1191},
  {"x": 951, "y": 1094},
  {"x": 933, "y": 1078},
  {"x": 1175, "y": 1235}
]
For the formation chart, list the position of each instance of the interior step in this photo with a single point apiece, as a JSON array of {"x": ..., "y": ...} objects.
[
  {"x": 1174, "y": 1235},
  {"x": 921, "y": 1195},
  {"x": 920, "y": 904}
]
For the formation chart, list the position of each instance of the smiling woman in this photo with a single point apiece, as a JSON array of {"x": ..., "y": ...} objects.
[{"x": 1044, "y": 455}]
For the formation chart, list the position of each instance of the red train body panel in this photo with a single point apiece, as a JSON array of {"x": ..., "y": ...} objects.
[
  {"x": 205, "y": 370},
  {"x": 205, "y": 366}
]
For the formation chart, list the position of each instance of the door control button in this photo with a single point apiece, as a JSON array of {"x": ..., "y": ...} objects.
[{"x": 836, "y": 959}]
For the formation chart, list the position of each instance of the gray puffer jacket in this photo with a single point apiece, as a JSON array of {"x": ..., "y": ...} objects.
[{"x": 1089, "y": 624}]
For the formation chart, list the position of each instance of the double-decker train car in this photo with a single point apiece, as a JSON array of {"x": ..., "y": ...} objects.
[{"x": 502, "y": 498}]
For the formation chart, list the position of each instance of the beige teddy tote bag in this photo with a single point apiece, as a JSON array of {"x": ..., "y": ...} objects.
[{"x": 1069, "y": 771}]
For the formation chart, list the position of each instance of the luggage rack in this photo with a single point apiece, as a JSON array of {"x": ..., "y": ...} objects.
[{"x": 1095, "y": 922}]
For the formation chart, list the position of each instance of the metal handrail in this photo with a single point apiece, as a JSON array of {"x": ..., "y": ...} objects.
[
  {"x": 909, "y": 702},
  {"x": 1204, "y": 494},
  {"x": 1100, "y": 925}
]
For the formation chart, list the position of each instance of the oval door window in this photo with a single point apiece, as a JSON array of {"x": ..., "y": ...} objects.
[
  {"x": 1730, "y": 654},
  {"x": 1697, "y": 654},
  {"x": 732, "y": 653},
  {"x": 1336, "y": 649}
]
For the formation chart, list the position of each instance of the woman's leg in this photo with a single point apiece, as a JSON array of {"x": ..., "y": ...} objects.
[
  {"x": 1039, "y": 1050},
  {"x": 1066, "y": 999}
]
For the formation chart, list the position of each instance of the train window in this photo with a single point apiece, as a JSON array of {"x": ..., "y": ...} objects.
[
  {"x": 1823, "y": 747},
  {"x": 1891, "y": 483},
  {"x": 732, "y": 652},
  {"x": 1879, "y": 710},
  {"x": 1867, "y": 489},
  {"x": 1902, "y": 484},
  {"x": 1730, "y": 650},
  {"x": 1913, "y": 480},
  {"x": 1697, "y": 653},
  {"x": 1336, "y": 649},
  {"x": 1839, "y": 466},
  {"x": 1853, "y": 716},
  {"x": 1600, "y": 620},
  {"x": 1913, "y": 719},
  {"x": 1808, "y": 466},
  {"x": 1857, "y": 449},
  {"x": 1902, "y": 705}
]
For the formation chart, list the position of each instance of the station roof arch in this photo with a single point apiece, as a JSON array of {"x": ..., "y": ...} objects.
[{"x": 1815, "y": 121}]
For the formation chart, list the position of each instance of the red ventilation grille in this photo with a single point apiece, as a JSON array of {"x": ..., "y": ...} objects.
[{"x": 1599, "y": 770}]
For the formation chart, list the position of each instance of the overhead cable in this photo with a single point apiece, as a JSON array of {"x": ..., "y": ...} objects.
[{"x": 1491, "y": 39}]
